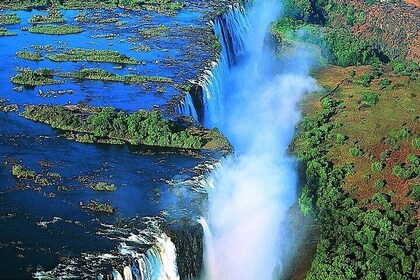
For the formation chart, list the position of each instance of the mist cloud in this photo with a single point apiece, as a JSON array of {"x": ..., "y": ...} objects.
[{"x": 254, "y": 188}]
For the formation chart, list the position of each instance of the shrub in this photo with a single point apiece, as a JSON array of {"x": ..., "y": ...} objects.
[
  {"x": 403, "y": 173},
  {"x": 356, "y": 151},
  {"x": 380, "y": 183},
  {"x": 366, "y": 80},
  {"x": 369, "y": 99},
  {"x": 340, "y": 138},
  {"x": 384, "y": 83},
  {"x": 415, "y": 192},
  {"x": 385, "y": 155},
  {"x": 377, "y": 166},
  {"x": 102, "y": 186},
  {"x": 306, "y": 201},
  {"x": 416, "y": 143}
]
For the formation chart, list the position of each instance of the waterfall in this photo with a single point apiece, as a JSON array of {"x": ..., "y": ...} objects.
[
  {"x": 143, "y": 253},
  {"x": 187, "y": 108},
  {"x": 159, "y": 262},
  {"x": 230, "y": 28},
  {"x": 246, "y": 234}
]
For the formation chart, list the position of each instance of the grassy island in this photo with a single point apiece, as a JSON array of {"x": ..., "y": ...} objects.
[
  {"x": 93, "y": 56},
  {"x": 55, "y": 29},
  {"x": 96, "y": 206},
  {"x": 9, "y": 19},
  {"x": 29, "y": 56},
  {"x": 140, "y": 128},
  {"x": 39, "y": 77},
  {"x": 52, "y": 17},
  {"x": 160, "y": 6},
  {"x": 102, "y": 75},
  {"x": 5, "y": 32},
  {"x": 102, "y": 186}
]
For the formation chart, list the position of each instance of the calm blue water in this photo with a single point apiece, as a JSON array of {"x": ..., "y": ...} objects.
[
  {"x": 175, "y": 55},
  {"x": 37, "y": 231}
]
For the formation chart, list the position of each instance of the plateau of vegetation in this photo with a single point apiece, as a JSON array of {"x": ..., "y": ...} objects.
[
  {"x": 93, "y": 56},
  {"x": 362, "y": 172},
  {"x": 9, "y": 19},
  {"x": 102, "y": 186},
  {"x": 24, "y": 173},
  {"x": 336, "y": 45},
  {"x": 96, "y": 206},
  {"x": 55, "y": 29},
  {"x": 30, "y": 55},
  {"x": 356, "y": 142},
  {"x": 154, "y": 31},
  {"x": 103, "y": 75},
  {"x": 54, "y": 16},
  {"x": 140, "y": 128},
  {"x": 39, "y": 77},
  {"x": 4, "y": 32},
  {"x": 161, "y": 6}
]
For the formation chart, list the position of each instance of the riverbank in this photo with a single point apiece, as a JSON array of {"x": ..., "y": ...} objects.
[
  {"x": 358, "y": 141},
  {"x": 383, "y": 130}
]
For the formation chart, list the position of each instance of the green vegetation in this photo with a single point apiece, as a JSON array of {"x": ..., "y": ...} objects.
[
  {"x": 154, "y": 31},
  {"x": 102, "y": 186},
  {"x": 54, "y": 16},
  {"x": 4, "y": 32},
  {"x": 93, "y": 56},
  {"x": 139, "y": 128},
  {"x": 369, "y": 99},
  {"x": 9, "y": 19},
  {"x": 336, "y": 45},
  {"x": 361, "y": 191},
  {"x": 377, "y": 166},
  {"x": 39, "y": 77},
  {"x": 356, "y": 151},
  {"x": 380, "y": 183},
  {"x": 22, "y": 173},
  {"x": 161, "y": 6},
  {"x": 96, "y": 206},
  {"x": 102, "y": 75},
  {"x": 351, "y": 235},
  {"x": 30, "y": 56},
  {"x": 55, "y": 29}
]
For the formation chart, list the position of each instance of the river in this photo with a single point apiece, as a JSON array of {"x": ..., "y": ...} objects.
[{"x": 230, "y": 224}]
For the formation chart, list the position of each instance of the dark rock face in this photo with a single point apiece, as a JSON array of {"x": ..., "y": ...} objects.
[
  {"x": 188, "y": 237},
  {"x": 196, "y": 93},
  {"x": 393, "y": 29}
]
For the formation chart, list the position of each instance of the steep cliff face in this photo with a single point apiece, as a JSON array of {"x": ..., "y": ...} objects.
[
  {"x": 187, "y": 237},
  {"x": 392, "y": 28}
]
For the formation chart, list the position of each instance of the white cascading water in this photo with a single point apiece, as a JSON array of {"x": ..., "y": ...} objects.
[
  {"x": 229, "y": 28},
  {"x": 130, "y": 263},
  {"x": 245, "y": 230},
  {"x": 186, "y": 107},
  {"x": 159, "y": 261}
]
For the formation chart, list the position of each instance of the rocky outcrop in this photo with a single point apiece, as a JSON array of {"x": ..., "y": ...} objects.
[
  {"x": 393, "y": 29},
  {"x": 187, "y": 237}
]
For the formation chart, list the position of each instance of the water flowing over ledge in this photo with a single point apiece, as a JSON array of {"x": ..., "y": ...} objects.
[{"x": 246, "y": 228}]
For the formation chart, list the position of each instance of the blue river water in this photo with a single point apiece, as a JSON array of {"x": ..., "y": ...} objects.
[
  {"x": 45, "y": 228},
  {"x": 175, "y": 55}
]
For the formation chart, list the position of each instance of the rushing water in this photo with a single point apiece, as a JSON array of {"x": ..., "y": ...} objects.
[
  {"x": 246, "y": 234},
  {"x": 44, "y": 231}
]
